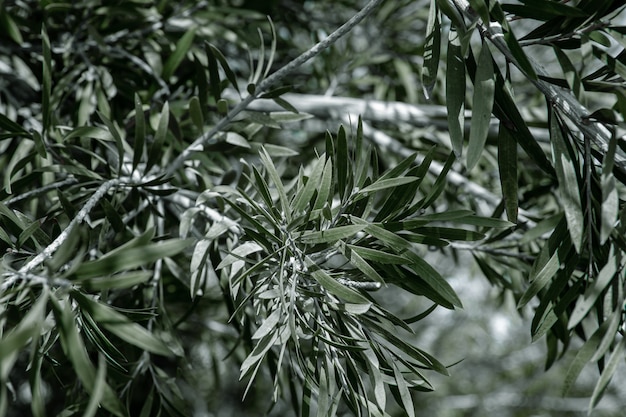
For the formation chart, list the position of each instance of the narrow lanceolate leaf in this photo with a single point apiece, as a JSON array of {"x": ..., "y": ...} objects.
[
  {"x": 46, "y": 89},
  {"x": 140, "y": 132},
  {"x": 610, "y": 197},
  {"x": 387, "y": 184},
  {"x": 566, "y": 171},
  {"x": 304, "y": 194},
  {"x": 121, "y": 326},
  {"x": 455, "y": 92},
  {"x": 324, "y": 190},
  {"x": 14, "y": 341},
  {"x": 75, "y": 350},
  {"x": 507, "y": 166},
  {"x": 589, "y": 299},
  {"x": 433, "y": 279},
  {"x": 266, "y": 159},
  {"x": 432, "y": 50},
  {"x": 616, "y": 359},
  {"x": 520, "y": 56},
  {"x": 182, "y": 47},
  {"x": 482, "y": 104},
  {"x": 332, "y": 235},
  {"x": 481, "y": 9},
  {"x": 403, "y": 389},
  {"x": 156, "y": 150},
  {"x": 583, "y": 357},
  {"x": 330, "y": 284},
  {"x": 341, "y": 161}
]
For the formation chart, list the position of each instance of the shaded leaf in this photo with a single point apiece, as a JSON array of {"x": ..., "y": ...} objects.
[
  {"x": 121, "y": 326},
  {"x": 455, "y": 92},
  {"x": 482, "y": 104}
]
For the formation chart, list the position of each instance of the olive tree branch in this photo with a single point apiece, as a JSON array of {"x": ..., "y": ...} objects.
[
  {"x": 562, "y": 99},
  {"x": 80, "y": 217},
  {"x": 272, "y": 81}
]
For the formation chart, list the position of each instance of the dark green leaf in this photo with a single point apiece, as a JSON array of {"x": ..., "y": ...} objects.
[
  {"x": 140, "y": 132},
  {"x": 121, "y": 326},
  {"x": 175, "y": 59},
  {"x": 455, "y": 92},
  {"x": 156, "y": 150},
  {"x": 482, "y": 104},
  {"x": 76, "y": 352},
  {"x": 507, "y": 167}
]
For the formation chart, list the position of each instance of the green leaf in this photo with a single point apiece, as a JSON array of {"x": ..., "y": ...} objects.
[
  {"x": 156, "y": 150},
  {"x": 432, "y": 50},
  {"x": 433, "y": 279},
  {"x": 282, "y": 195},
  {"x": 182, "y": 47},
  {"x": 361, "y": 264},
  {"x": 230, "y": 75},
  {"x": 586, "y": 302},
  {"x": 98, "y": 388},
  {"x": 341, "y": 162},
  {"x": 386, "y": 184},
  {"x": 13, "y": 342},
  {"x": 9, "y": 125},
  {"x": 214, "y": 77},
  {"x": 610, "y": 197},
  {"x": 455, "y": 92},
  {"x": 305, "y": 194},
  {"x": 569, "y": 187},
  {"x": 195, "y": 111},
  {"x": 117, "y": 281},
  {"x": 582, "y": 357},
  {"x": 46, "y": 88},
  {"x": 331, "y": 235},
  {"x": 121, "y": 326},
  {"x": 481, "y": 9},
  {"x": 405, "y": 394},
  {"x": 616, "y": 359},
  {"x": 9, "y": 25},
  {"x": 482, "y": 105},
  {"x": 238, "y": 253},
  {"x": 518, "y": 53},
  {"x": 333, "y": 286},
  {"x": 554, "y": 252},
  {"x": 140, "y": 132},
  {"x": 543, "y": 9},
  {"x": 507, "y": 167},
  {"x": 126, "y": 259},
  {"x": 324, "y": 190},
  {"x": 378, "y": 255},
  {"x": 76, "y": 352}
]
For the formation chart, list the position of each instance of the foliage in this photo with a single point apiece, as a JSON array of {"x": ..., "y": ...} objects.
[{"x": 169, "y": 197}]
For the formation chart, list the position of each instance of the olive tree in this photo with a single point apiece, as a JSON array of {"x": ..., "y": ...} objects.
[{"x": 260, "y": 190}]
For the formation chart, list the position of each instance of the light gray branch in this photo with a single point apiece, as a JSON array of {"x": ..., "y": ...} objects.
[{"x": 80, "y": 217}]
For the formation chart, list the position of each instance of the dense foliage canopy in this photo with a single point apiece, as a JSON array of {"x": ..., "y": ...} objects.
[{"x": 197, "y": 192}]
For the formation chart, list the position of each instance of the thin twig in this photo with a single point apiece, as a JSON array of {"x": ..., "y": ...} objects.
[
  {"x": 80, "y": 217},
  {"x": 41, "y": 190},
  {"x": 270, "y": 82}
]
